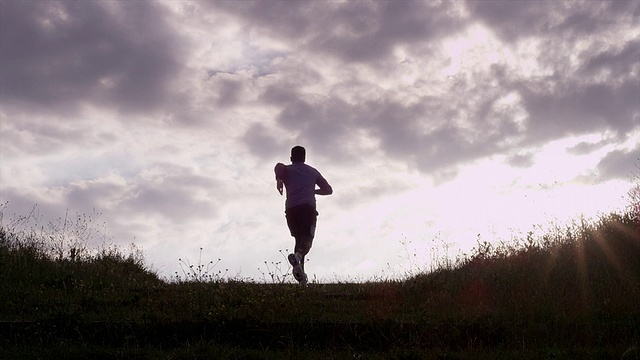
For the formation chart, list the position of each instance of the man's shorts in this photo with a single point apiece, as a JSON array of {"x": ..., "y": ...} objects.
[{"x": 301, "y": 220}]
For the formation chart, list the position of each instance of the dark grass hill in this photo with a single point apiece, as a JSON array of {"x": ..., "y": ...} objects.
[{"x": 572, "y": 293}]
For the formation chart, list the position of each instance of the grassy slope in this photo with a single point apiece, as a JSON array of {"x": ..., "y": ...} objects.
[{"x": 572, "y": 293}]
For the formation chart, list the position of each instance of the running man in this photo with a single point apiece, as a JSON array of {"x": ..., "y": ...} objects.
[{"x": 300, "y": 181}]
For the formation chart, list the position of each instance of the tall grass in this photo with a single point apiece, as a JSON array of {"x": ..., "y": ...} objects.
[
  {"x": 572, "y": 291},
  {"x": 583, "y": 269},
  {"x": 51, "y": 272}
]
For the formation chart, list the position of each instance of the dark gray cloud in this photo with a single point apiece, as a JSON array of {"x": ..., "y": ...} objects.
[
  {"x": 324, "y": 124},
  {"x": 35, "y": 135},
  {"x": 367, "y": 32},
  {"x": 575, "y": 110},
  {"x": 468, "y": 122},
  {"x": 355, "y": 31},
  {"x": 369, "y": 190},
  {"x": 512, "y": 19},
  {"x": 593, "y": 83},
  {"x": 589, "y": 147},
  {"x": 228, "y": 93},
  {"x": 174, "y": 193},
  {"x": 617, "y": 63},
  {"x": 521, "y": 160},
  {"x": 56, "y": 55},
  {"x": 515, "y": 20},
  {"x": 431, "y": 134},
  {"x": 620, "y": 165},
  {"x": 263, "y": 144}
]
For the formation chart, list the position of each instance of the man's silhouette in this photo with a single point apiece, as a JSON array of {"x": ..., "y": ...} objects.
[{"x": 300, "y": 181}]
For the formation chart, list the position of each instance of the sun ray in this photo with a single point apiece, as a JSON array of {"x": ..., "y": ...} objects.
[{"x": 582, "y": 271}]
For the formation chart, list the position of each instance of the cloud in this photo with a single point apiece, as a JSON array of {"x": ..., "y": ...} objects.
[
  {"x": 61, "y": 55},
  {"x": 521, "y": 160},
  {"x": 584, "y": 148},
  {"x": 579, "y": 110},
  {"x": 362, "y": 32},
  {"x": 595, "y": 89},
  {"x": 262, "y": 144},
  {"x": 175, "y": 194},
  {"x": 613, "y": 63},
  {"x": 619, "y": 164},
  {"x": 168, "y": 116},
  {"x": 58, "y": 55},
  {"x": 515, "y": 20},
  {"x": 370, "y": 32},
  {"x": 343, "y": 104},
  {"x": 37, "y": 134}
]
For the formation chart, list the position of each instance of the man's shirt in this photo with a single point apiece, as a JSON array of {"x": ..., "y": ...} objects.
[{"x": 300, "y": 183}]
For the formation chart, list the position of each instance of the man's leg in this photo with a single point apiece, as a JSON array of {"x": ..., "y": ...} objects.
[
  {"x": 297, "y": 260},
  {"x": 301, "y": 221},
  {"x": 303, "y": 245}
]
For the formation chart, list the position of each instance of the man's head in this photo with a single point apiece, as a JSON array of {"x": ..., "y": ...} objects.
[{"x": 298, "y": 154}]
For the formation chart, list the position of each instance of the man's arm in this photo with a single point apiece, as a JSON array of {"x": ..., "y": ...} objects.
[
  {"x": 324, "y": 187},
  {"x": 281, "y": 172},
  {"x": 279, "y": 186}
]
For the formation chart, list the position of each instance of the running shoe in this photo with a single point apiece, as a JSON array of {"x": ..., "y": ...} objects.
[{"x": 298, "y": 273}]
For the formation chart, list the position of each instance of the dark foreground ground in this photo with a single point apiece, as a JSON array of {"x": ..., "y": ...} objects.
[
  {"x": 482, "y": 338},
  {"x": 572, "y": 294}
]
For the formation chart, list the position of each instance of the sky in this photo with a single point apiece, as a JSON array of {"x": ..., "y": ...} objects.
[{"x": 437, "y": 123}]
